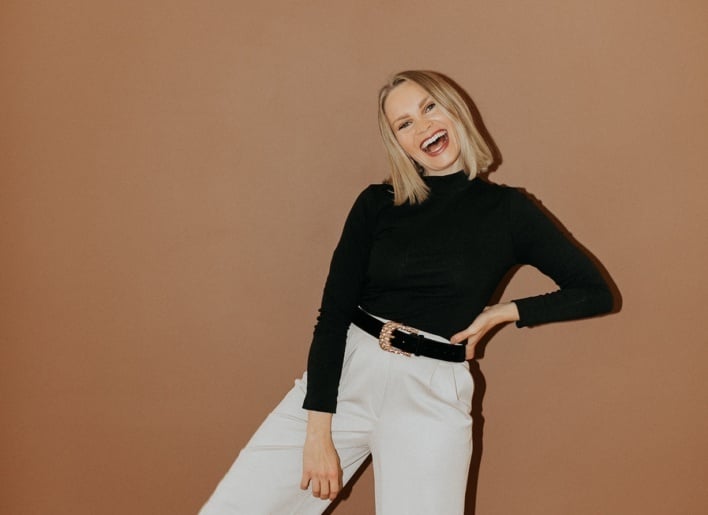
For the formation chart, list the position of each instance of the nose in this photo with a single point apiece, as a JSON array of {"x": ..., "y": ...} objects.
[{"x": 423, "y": 126}]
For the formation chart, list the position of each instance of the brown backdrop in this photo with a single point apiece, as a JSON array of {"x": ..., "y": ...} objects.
[{"x": 174, "y": 176}]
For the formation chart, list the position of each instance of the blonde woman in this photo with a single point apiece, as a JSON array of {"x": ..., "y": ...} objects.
[{"x": 404, "y": 305}]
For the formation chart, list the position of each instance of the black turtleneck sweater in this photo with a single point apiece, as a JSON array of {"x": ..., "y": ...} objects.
[{"x": 435, "y": 265}]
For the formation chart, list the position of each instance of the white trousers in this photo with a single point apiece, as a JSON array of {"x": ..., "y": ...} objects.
[{"x": 412, "y": 414}]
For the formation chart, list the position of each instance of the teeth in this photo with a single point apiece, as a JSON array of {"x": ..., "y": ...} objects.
[{"x": 432, "y": 139}]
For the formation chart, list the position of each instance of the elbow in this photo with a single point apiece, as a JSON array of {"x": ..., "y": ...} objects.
[{"x": 604, "y": 301}]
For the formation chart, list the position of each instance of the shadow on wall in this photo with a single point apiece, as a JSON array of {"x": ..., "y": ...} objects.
[
  {"x": 480, "y": 383},
  {"x": 347, "y": 490}
]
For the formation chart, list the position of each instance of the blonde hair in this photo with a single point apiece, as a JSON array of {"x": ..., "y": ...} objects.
[{"x": 405, "y": 172}]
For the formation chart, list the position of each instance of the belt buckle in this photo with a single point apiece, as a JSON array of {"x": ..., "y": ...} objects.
[{"x": 386, "y": 334}]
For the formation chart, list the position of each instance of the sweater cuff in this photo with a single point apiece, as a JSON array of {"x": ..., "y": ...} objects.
[
  {"x": 319, "y": 403},
  {"x": 526, "y": 315}
]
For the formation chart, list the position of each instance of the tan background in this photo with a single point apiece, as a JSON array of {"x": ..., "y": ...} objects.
[{"x": 174, "y": 176}]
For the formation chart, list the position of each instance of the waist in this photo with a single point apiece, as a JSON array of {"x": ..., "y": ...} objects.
[{"x": 400, "y": 339}]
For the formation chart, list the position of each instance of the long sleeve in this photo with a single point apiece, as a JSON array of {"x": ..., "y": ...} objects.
[
  {"x": 339, "y": 300},
  {"x": 539, "y": 242}
]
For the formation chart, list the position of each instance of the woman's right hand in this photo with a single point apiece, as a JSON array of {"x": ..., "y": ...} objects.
[{"x": 320, "y": 461}]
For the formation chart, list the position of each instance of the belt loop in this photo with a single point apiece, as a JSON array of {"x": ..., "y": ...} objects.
[{"x": 419, "y": 339}]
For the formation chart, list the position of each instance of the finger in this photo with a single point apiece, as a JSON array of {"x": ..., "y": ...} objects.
[
  {"x": 333, "y": 489},
  {"x": 315, "y": 487},
  {"x": 464, "y": 335},
  {"x": 459, "y": 337},
  {"x": 304, "y": 482},
  {"x": 324, "y": 490},
  {"x": 469, "y": 351}
]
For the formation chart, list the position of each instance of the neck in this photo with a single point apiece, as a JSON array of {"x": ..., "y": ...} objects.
[
  {"x": 454, "y": 168},
  {"x": 444, "y": 173}
]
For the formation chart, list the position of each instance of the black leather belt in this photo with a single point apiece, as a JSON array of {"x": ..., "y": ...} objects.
[{"x": 400, "y": 339}]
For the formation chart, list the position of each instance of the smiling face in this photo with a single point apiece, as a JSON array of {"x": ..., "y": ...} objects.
[{"x": 423, "y": 129}]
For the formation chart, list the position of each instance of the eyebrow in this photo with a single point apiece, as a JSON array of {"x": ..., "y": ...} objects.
[{"x": 420, "y": 106}]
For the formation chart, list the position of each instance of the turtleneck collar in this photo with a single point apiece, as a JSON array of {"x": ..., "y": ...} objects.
[{"x": 445, "y": 184}]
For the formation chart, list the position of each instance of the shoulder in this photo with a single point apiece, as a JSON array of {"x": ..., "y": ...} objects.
[
  {"x": 370, "y": 203},
  {"x": 512, "y": 204},
  {"x": 375, "y": 197},
  {"x": 380, "y": 192},
  {"x": 511, "y": 195},
  {"x": 489, "y": 195},
  {"x": 492, "y": 189}
]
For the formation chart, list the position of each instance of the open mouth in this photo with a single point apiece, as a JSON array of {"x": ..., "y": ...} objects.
[{"x": 435, "y": 143}]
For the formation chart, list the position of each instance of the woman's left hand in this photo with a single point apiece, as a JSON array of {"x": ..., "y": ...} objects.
[{"x": 485, "y": 321}]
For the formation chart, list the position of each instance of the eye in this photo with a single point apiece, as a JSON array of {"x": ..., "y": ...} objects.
[
  {"x": 429, "y": 107},
  {"x": 404, "y": 125}
]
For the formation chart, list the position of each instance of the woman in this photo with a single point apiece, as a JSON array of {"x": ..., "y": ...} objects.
[{"x": 427, "y": 250}]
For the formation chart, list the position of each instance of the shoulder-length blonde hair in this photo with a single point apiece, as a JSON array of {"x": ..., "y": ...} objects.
[{"x": 406, "y": 172}]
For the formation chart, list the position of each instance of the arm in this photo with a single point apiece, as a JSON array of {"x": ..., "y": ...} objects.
[
  {"x": 321, "y": 467},
  {"x": 539, "y": 242},
  {"x": 339, "y": 300}
]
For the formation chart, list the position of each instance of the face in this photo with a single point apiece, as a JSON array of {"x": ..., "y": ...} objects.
[{"x": 423, "y": 129}]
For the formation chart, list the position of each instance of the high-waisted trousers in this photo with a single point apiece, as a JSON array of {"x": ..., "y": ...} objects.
[{"x": 412, "y": 414}]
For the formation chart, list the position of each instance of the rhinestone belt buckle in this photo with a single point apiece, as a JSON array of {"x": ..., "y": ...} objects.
[{"x": 386, "y": 334}]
